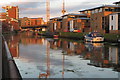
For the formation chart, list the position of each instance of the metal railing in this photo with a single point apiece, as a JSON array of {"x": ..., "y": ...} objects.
[{"x": 13, "y": 72}]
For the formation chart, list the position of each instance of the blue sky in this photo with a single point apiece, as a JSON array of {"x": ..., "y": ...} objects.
[{"x": 37, "y": 8}]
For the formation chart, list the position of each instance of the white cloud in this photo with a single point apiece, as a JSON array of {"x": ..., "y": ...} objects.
[{"x": 37, "y": 8}]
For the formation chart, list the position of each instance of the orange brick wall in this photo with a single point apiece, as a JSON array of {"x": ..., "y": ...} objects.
[
  {"x": 31, "y": 21},
  {"x": 12, "y": 13}
]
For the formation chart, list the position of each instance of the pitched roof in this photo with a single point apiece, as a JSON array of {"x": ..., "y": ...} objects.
[
  {"x": 56, "y": 18},
  {"x": 101, "y": 7},
  {"x": 116, "y": 2},
  {"x": 73, "y": 14}
]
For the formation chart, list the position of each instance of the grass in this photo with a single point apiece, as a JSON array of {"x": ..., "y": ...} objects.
[
  {"x": 72, "y": 35},
  {"x": 111, "y": 37},
  {"x": 108, "y": 37}
]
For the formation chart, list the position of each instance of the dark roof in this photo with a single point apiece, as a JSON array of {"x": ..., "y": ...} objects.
[
  {"x": 116, "y": 2},
  {"x": 83, "y": 18},
  {"x": 74, "y": 14},
  {"x": 101, "y": 7}
]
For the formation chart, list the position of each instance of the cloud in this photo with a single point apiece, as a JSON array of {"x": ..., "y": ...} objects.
[
  {"x": 34, "y": 8},
  {"x": 28, "y": 4}
]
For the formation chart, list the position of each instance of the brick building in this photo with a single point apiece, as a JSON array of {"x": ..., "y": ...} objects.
[
  {"x": 80, "y": 25},
  {"x": 99, "y": 17},
  {"x": 11, "y": 16},
  {"x": 70, "y": 23},
  {"x": 55, "y": 24},
  {"x": 67, "y": 18},
  {"x": 25, "y": 21}
]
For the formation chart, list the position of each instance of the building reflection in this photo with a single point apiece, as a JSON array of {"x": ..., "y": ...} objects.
[
  {"x": 114, "y": 57},
  {"x": 28, "y": 41},
  {"x": 14, "y": 42},
  {"x": 100, "y": 55},
  {"x": 55, "y": 44}
]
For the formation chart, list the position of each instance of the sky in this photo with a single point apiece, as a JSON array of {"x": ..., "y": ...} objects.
[{"x": 37, "y": 8}]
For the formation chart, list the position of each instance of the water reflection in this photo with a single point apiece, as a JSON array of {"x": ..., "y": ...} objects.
[
  {"x": 99, "y": 54},
  {"x": 39, "y": 57}
]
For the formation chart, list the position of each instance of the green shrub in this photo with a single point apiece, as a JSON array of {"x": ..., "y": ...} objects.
[
  {"x": 111, "y": 37},
  {"x": 72, "y": 35}
]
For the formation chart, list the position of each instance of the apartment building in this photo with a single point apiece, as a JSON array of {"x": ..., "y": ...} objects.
[
  {"x": 12, "y": 11},
  {"x": 55, "y": 24},
  {"x": 25, "y": 21},
  {"x": 99, "y": 17},
  {"x": 80, "y": 25},
  {"x": 11, "y": 16},
  {"x": 114, "y": 23},
  {"x": 67, "y": 24}
]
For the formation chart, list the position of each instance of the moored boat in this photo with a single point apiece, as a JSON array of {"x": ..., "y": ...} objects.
[{"x": 94, "y": 37}]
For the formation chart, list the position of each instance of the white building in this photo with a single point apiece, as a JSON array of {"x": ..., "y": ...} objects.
[{"x": 114, "y": 23}]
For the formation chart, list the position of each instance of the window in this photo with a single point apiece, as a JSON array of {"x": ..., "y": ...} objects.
[
  {"x": 61, "y": 25},
  {"x": 100, "y": 10},
  {"x": 87, "y": 21},
  {"x": 112, "y": 17},
  {"x": 96, "y": 11},
  {"x": 112, "y": 27}
]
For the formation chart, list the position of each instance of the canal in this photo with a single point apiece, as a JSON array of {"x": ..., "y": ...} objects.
[{"x": 40, "y": 57}]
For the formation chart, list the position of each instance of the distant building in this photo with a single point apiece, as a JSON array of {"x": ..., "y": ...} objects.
[
  {"x": 114, "y": 21},
  {"x": 24, "y": 22}
]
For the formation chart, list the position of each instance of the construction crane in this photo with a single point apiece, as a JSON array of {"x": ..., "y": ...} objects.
[
  {"x": 63, "y": 58},
  {"x": 47, "y": 10},
  {"x": 63, "y": 7},
  {"x": 47, "y": 74}
]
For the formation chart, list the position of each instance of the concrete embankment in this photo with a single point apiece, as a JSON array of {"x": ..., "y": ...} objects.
[{"x": 9, "y": 68}]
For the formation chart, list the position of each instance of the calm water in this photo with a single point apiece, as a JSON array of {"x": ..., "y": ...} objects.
[{"x": 39, "y": 57}]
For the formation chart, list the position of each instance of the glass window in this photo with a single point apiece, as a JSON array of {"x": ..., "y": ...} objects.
[
  {"x": 112, "y": 17},
  {"x": 112, "y": 27}
]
